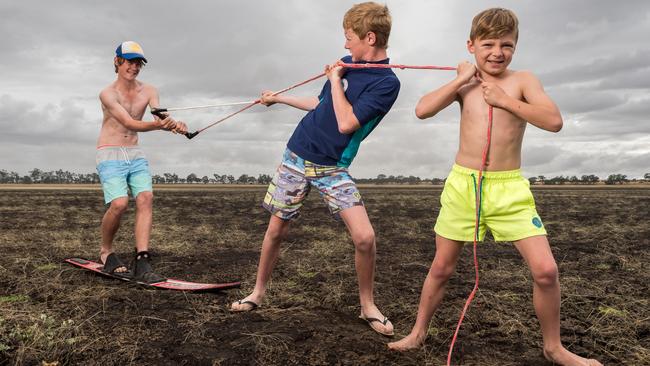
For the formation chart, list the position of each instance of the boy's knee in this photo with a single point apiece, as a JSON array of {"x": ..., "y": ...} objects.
[
  {"x": 144, "y": 199},
  {"x": 546, "y": 275},
  {"x": 119, "y": 205},
  {"x": 277, "y": 233},
  {"x": 364, "y": 241},
  {"x": 441, "y": 271}
]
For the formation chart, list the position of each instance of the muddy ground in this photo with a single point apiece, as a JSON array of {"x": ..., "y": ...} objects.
[{"x": 52, "y": 312}]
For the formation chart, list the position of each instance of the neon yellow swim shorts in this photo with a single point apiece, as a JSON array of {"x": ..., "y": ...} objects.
[{"x": 507, "y": 207}]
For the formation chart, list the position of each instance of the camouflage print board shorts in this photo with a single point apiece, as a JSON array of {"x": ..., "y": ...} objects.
[{"x": 293, "y": 181}]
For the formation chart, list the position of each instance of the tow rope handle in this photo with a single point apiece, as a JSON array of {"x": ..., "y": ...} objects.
[{"x": 160, "y": 113}]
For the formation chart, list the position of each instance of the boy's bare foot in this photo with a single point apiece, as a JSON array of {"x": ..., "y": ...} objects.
[
  {"x": 377, "y": 321},
  {"x": 407, "y": 343},
  {"x": 248, "y": 303},
  {"x": 562, "y": 356}
]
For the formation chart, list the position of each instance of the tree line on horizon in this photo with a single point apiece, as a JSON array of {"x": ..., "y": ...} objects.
[{"x": 37, "y": 176}]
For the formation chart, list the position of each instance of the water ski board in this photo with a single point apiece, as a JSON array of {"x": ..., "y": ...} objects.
[{"x": 170, "y": 283}]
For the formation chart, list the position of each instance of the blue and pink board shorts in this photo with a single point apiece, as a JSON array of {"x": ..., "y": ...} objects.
[{"x": 120, "y": 169}]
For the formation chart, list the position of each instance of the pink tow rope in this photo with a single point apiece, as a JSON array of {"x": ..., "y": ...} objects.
[
  {"x": 479, "y": 195},
  {"x": 480, "y": 174},
  {"x": 191, "y": 135}
]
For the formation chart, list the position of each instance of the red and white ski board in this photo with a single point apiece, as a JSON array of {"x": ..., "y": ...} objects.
[{"x": 170, "y": 283}]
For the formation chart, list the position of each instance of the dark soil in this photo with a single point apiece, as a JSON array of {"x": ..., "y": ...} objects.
[{"x": 52, "y": 312}]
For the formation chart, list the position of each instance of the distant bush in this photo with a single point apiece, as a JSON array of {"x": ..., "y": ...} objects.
[{"x": 37, "y": 176}]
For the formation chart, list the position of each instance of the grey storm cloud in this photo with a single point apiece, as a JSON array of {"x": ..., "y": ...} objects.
[
  {"x": 634, "y": 79},
  {"x": 584, "y": 99},
  {"x": 27, "y": 123},
  {"x": 636, "y": 112},
  {"x": 615, "y": 72},
  {"x": 590, "y": 55}
]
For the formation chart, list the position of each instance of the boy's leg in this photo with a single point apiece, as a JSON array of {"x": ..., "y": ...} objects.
[
  {"x": 143, "y": 220},
  {"x": 141, "y": 186},
  {"x": 546, "y": 299},
  {"x": 363, "y": 236},
  {"x": 113, "y": 177},
  {"x": 140, "y": 183},
  {"x": 339, "y": 192},
  {"x": 109, "y": 227},
  {"x": 433, "y": 290},
  {"x": 143, "y": 270},
  {"x": 275, "y": 233},
  {"x": 283, "y": 200}
]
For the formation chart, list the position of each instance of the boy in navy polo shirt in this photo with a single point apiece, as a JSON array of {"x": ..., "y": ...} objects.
[{"x": 349, "y": 107}]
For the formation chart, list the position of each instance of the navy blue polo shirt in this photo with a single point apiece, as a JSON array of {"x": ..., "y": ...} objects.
[{"x": 371, "y": 92}]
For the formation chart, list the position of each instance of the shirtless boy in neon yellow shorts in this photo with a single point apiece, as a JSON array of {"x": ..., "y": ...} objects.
[{"x": 508, "y": 207}]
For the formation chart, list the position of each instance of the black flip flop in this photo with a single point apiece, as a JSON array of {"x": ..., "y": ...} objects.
[
  {"x": 143, "y": 272},
  {"x": 112, "y": 263},
  {"x": 370, "y": 322},
  {"x": 242, "y": 302}
]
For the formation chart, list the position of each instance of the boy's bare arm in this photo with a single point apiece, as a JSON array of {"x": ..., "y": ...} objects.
[
  {"x": 304, "y": 103},
  {"x": 439, "y": 99},
  {"x": 538, "y": 108},
  {"x": 345, "y": 118},
  {"x": 154, "y": 102},
  {"x": 109, "y": 100}
]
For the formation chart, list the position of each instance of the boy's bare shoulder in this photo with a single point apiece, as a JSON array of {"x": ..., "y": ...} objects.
[
  {"x": 526, "y": 79},
  {"x": 524, "y": 75},
  {"x": 108, "y": 92},
  {"x": 148, "y": 88}
]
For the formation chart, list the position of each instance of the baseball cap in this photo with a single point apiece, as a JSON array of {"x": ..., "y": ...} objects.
[{"x": 130, "y": 50}]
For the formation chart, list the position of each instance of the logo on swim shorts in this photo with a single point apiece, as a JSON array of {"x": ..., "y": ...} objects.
[
  {"x": 345, "y": 84},
  {"x": 537, "y": 222},
  {"x": 357, "y": 195}
]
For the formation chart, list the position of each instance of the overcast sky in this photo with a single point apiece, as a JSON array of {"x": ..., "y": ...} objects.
[{"x": 593, "y": 58}]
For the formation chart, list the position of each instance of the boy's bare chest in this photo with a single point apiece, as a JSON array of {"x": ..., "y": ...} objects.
[
  {"x": 474, "y": 93},
  {"x": 475, "y": 110},
  {"x": 473, "y": 97},
  {"x": 134, "y": 103}
]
